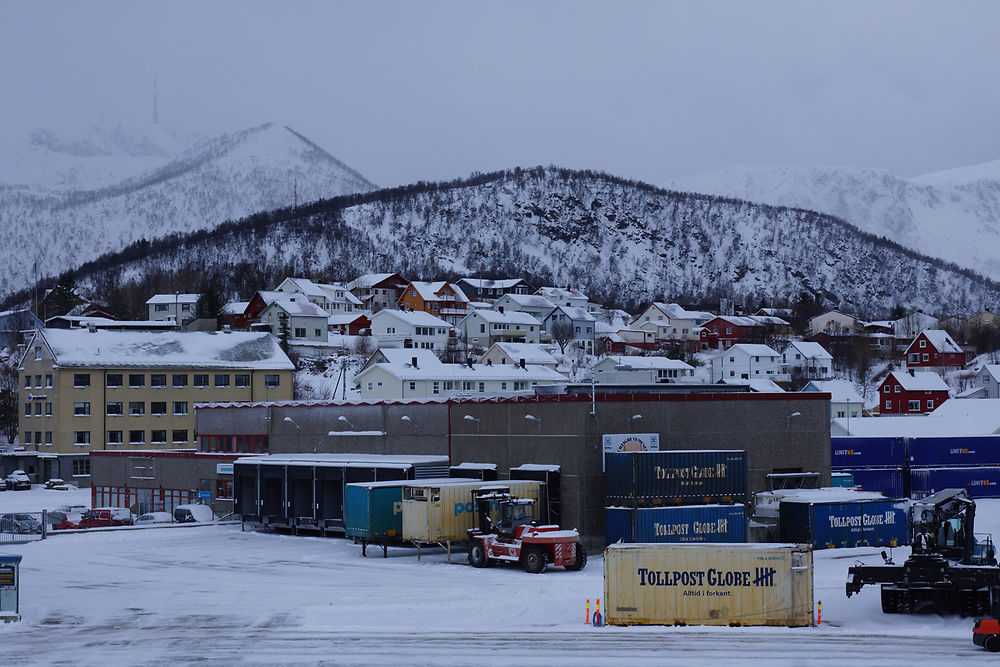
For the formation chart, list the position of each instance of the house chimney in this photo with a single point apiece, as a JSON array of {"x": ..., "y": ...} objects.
[
  {"x": 413, "y": 361},
  {"x": 489, "y": 362},
  {"x": 468, "y": 360},
  {"x": 522, "y": 363},
  {"x": 500, "y": 309},
  {"x": 911, "y": 373}
]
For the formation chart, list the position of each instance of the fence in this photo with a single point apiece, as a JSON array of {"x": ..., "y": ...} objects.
[{"x": 20, "y": 527}]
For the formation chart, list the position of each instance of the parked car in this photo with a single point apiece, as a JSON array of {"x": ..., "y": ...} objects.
[
  {"x": 19, "y": 523},
  {"x": 100, "y": 517},
  {"x": 59, "y": 520},
  {"x": 3, "y": 484},
  {"x": 193, "y": 514},
  {"x": 154, "y": 517},
  {"x": 18, "y": 481}
]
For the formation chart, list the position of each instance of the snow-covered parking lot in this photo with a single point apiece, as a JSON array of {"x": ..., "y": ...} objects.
[{"x": 216, "y": 593}]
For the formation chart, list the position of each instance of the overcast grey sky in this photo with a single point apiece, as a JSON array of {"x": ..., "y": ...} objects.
[{"x": 406, "y": 91}]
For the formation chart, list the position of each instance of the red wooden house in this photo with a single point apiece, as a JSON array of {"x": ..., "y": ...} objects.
[
  {"x": 934, "y": 348},
  {"x": 911, "y": 393},
  {"x": 724, "y": 331}
]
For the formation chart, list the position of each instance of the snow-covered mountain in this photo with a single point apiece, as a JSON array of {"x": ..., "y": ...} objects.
[
  {"x": 953, "y": 215},
  {"x": 70, "y": 197},
  {"x": 625, "y": 243}
]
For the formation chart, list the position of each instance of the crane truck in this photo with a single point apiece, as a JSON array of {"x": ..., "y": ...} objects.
[{"x": 950, "y": 569}]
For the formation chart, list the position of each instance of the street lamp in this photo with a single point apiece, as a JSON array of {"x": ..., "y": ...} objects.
[
  {"x": 630, "y": 419},
  {"x": 344, "y": 419},
  {"x": 472, "y": 419},
  {"x": 291, "y": 421},
  {"x": 406, "y": 418},
  {"x": 535, "y": 419},
  {"x": 788, "y": 419}
]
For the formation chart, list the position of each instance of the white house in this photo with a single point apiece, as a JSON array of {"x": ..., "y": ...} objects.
[
  {"x": 641, "y": 370},
  {"x": 832, "y": 321},
  {"x": 519, "y": 354},
  {"x": 331, "y": 297},
  {"x": 535, "y": 305},
  {"x": 669, "y": 321},
  {"x": 306, "y": 321},
  {"x": 410, "y": 329},
  {"x": 485, "y": 327},
  {"x": 806, "y": 360},
  {"x": 395, "y": 379},
  {"x": 845, "y": 401},
  {"x": 986, "y": 384},
  {"x": 176, "y": 307},
  {"x": 748, "y": 361},
  {"x": 564, "y": 296},
  {"x": 910, "y": 326},
  {"x": 572, "y": 323}
]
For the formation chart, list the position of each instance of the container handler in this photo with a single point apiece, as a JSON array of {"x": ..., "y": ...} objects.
[
  {"x": 518, "y": 538},
  {"x": 949, "y": 571}
]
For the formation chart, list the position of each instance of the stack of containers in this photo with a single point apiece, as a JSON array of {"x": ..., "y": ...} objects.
[
  {"x": 920, "y": 466},
  {"x": 968, "y": 462},
  {"x": 676, "y": 496}
]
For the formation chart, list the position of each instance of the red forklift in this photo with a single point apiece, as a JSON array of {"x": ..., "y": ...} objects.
[{"x": 517, "y": 537}]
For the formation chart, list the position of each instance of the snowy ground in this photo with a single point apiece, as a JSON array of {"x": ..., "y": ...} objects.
[{"x": 216, "y": 593}]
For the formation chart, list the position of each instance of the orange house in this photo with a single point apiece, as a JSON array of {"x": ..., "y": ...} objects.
[{"x": 440, "y": 299}]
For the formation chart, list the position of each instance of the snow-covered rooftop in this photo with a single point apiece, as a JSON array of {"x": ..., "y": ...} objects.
[
  {"x": 575, "y": 313},
  {"x": 941, "y": 341},
  {"x": 752, "y": 349},
  {"x": 417, "y": 318},
  {"x": 925, "y": 381},
  {"x": 841, "y": 391},
  {"x": 429, "y": 291},
  {"x": 809, "y": 350},
  {"x": 532, "y": 353},
  {"x": 168, "y": 349},
  {"x": 507, "y": 317},
  {"x": 367, "y": 280},
  {"x": 654, "y": 363},
  {"x": 529, "y": 300},
  {"x": 173, "y": 298},
  {"x": 476, "y": 372},
  {"x": 299, "y": 306}
]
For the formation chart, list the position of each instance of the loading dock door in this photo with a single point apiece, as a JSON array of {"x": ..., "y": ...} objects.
[
  {"x": 330, "y": 496},
  {"x": 300, "y": 492},
  {"x": 272, "y": 494},
  {"x": 245, "y": 492}
]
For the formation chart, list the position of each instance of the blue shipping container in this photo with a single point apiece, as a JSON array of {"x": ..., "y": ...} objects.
[
  {"x": 858, "y": 452},
  {"x": 682, "y": 523},
  {"x": 981, "y": 450},
  {"x": 890, "y": 482},
  {"x": 839, "y": 525},
  {"x": 842, "y": 480},
  {"x": 651, "y": 479},
  {"x": 373, "y": 511},
  {"x": 980, "y": 482}
]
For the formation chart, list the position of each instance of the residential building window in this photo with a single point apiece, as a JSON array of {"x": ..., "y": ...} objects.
[
  {"x": 48, "y": 381},
  {"x": 200, "y": 380},
  {"x": 137, "y": 380},
  {"x": 930, "y": 405},
  {"x": 888, "y": 405},
  {"x": 223, "y": 489},
  {"x": 318, "y": 333},
  {"x": 179, "y": 435},
  {"x": 897, "y": 389},
  {"x": 369, "y": 386},
  {"x": 300, "y": 332},
  {"x": 436, "y": 388},
  {"x": 27, "y": 409},
  {"x": 81, "y": 437},
  {"x": 38, "y": 381},
  {"x": 467, "y": 386},
  {"x": 923, "y": 343},
  {"x": 913, "y": 406},
  {"x": 114, "y": 380},
  {"x": 272, "y": 380},
  {"x": 158, "y": 408},
  {"x": 81, "y": 379},
  {"x": 159, "y": 308},
  {"x": 180, "y": 407},
  {"x": 113, "y": 409},
  {"x": 136, "y": 408},
  {"x": 38, "y": 409},
  {"x": 158, "y": 380},
  {"x": 180, "y": 380},
  {"x": 926, "y": 356},
  {"x": 48, "y": 409},
  {"x": 221, "y": 380},
  {"x": 242, "y": 380},
  {"x": 114, "y": 437},
  {"x": 413, "y": 386},
  {"x": 27, "y": 382},
  {"x": 482, "y": 386},
  {"x": 27, "y": 437},
  {"x": 81, "y": 467},
  {"x": 185, "y": 307},
  {"x": 158, "y": 436},
  {"x": 48, "y": 437},
  {"x": 136, "y": 437},
  {"x": 79, "y": 409},
  {"x": 38, "y": 353}
]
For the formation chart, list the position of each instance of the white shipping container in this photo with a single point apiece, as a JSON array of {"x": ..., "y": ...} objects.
[{"x": 708, "y": 584}]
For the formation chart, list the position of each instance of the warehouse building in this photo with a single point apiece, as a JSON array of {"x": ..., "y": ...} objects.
[{"x": 781, "y": 433}]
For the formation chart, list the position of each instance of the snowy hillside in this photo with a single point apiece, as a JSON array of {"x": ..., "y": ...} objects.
[
  {"x": 953, "y": 215},
  {"x": 157, "y": 189},
  {"x": 624, "y": 243}
]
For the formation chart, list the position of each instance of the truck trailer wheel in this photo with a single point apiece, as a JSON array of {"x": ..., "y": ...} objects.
[
  {"x": 581, "y": 558},
  {"x": 533, "y": 560},
  {"x": 477, "y": 555}
]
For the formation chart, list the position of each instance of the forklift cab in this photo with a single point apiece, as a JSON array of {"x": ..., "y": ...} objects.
[{"x": 515, "y": 512}]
